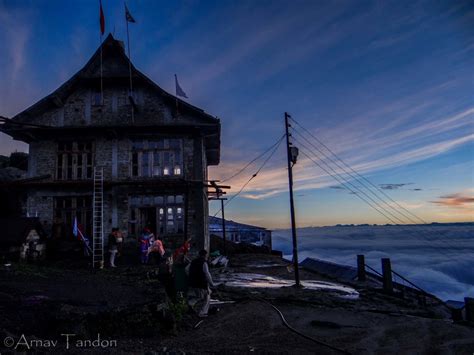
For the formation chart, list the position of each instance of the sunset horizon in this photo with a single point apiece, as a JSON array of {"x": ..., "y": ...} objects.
[{"x": 393, "y": 103}]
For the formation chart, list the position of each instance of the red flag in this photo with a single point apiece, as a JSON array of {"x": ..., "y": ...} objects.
[{"x": 102, "y": 19}]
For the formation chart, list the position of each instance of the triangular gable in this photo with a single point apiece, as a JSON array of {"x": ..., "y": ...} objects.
[{"x": 112, "y": 50}]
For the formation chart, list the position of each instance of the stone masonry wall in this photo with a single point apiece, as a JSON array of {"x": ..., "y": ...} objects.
[
  {"x": 80, "y": 108},
  {"x": 114, "y": 154}
]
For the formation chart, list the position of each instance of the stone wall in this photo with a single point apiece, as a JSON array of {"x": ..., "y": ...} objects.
[
  {"x": 39, "y": 204},
  {"x": 114, "y": 155},
  {"x": 42, "y": 160},
  {"x": 80, "y": 108}
]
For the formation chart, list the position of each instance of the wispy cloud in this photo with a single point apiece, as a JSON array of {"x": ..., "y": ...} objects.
[
  {"x": 16, "y": 32},
  {"x": 274, "y": 180},
  {"x": 457, "y": 200},
  {"x": 394, "y": 186}
]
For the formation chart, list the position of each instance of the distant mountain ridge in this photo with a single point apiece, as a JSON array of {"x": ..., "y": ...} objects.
[{"x": 440, "y": 224}]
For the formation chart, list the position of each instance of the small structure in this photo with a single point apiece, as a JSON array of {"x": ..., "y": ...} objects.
[
  {"x": 34, "y": 247},
  {"x": 241, "y": 233},
  {"x": 22, "y": 238}
]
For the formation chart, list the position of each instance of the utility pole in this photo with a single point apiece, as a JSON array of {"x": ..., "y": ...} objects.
[
  {"x": 217, "y": 195},
  {"x": 292, "y": 160},
  {"x": 223, "y": 224}
]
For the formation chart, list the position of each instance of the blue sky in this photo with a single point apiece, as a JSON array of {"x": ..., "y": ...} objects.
[{"x": 386, "y": 85}]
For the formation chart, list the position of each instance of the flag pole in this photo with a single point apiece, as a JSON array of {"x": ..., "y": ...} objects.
[
  {"x": 101, "y": 72},
  {"x": 129, "y": 64},
  {"x": 83, "y": 240},
  {"x": 176, "y": 93}
]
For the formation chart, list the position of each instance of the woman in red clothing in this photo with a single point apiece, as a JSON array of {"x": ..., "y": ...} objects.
[{"x": 156, "y": 250}]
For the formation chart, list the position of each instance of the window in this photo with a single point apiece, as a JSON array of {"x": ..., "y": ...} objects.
[
  {"x": 135, "y": 164},
  {"x": 96, "y": 98},
  {"x": 74, "y": 161},
  {"x": 136, "y": 96},
  {"x": 170, "y": 219},
  {"x": 69, "y": 208},
  {"x": 145, "y": 164},
  {"x": 162, "y": 220},
  {"x": 157, "y": 158},
  {"x": 169, "y": 211}
]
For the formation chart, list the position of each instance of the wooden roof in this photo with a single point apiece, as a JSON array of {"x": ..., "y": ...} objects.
[{"x": 112, "y": 50}]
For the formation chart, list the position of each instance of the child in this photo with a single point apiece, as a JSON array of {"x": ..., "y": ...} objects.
[{"x": 145, "y": 245}]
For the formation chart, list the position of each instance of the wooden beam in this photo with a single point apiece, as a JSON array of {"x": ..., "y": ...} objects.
[{"x": 57, "y": 101}]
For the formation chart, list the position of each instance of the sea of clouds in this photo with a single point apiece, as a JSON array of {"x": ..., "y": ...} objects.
[{"x": 437, "y": 258}]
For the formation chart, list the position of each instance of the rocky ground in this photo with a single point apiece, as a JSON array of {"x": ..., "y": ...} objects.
[{"x": 124, "y": 304}]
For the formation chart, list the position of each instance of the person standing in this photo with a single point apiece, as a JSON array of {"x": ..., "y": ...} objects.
[
  {"x": 113, "y": 246},
  {"x": 166, "y": 277},
  {"x": 145, "y": 244},
  {"x": 120, "y": 240},
  {"x": 200, "y": 280},
  {"x": 156, "y": 251},
  {"x": 180, "y": 267},
  {"x": 180, "y": 254}
]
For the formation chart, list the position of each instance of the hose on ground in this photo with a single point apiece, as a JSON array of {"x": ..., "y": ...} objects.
[{"x": 301, "y": 334}]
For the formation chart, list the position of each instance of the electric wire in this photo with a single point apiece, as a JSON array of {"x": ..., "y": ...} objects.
[
  {"x": 380, "y": 208},
  {"x": 336, "y": 177},
  {"x": 368, "y": 203},
  {"x": 340, "y": 180},
  {"x": 352, "y": 176},
  {"x": 365, "y": 179},
  {"x": 445, "y": 243},
  {"x": 253, "y": 176},
  {"x": 442, "y": 241},
  {"x": 358, "y": 174},
  {"x": 252, "y": 161}
]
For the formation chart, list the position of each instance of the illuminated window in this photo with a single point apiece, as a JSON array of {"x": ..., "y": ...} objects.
[
  {"x": 159, "y": 157},
  {"x": 170, "y": 211}
]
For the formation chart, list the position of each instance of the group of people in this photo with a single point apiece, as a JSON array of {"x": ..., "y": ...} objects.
[
  {"x": 190, "y": 278},
  {"x": 176, "y": 271},
  {"x": 151, "y": 248},
  {"x": 180, "y": 275}
]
